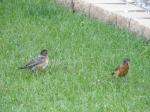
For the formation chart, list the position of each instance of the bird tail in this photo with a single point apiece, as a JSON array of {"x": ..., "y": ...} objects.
[
  {"x": 112, "y": 73},
  {"x": 23, "y": 67}
]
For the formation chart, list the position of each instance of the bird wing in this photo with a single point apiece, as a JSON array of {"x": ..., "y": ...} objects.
[
  {"x": 115, "y": 70},
  {"x": 34, "y": 62},
  {"x": 118, "y": 67}
]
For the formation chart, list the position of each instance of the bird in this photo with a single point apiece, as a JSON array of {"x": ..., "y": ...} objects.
[
  {"x": 122, "y": 69},
  {"x": 38, "y": 63}
]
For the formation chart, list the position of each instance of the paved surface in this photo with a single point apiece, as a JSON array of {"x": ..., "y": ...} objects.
[{"x": 131, "y": 17}]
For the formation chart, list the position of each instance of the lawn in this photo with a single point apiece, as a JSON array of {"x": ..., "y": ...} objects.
[{"x": 82, "y": 53}]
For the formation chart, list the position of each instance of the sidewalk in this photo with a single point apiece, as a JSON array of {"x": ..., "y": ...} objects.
[{"x": 114, "y": 11}]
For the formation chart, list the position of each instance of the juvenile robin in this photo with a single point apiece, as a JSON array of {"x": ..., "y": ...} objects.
[
  {"x": 122, "y": 69},
  {"x": 39, "y": 63}
]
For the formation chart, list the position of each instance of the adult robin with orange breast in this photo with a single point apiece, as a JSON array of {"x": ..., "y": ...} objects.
[
  {"x": 122, "y": 69},
  {"x": 39, "y": 63}
]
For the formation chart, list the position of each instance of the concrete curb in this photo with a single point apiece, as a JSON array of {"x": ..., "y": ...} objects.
[{"x": 113, "y": 11}]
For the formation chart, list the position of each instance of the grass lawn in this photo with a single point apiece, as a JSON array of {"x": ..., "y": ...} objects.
[{"x": 82, "y": 53}]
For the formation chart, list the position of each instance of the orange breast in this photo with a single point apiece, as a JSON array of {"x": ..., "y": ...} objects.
[
  {"x": 42, "y": 64},
  {"x": 122, "y": 71}
]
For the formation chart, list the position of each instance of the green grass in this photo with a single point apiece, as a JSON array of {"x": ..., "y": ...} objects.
[{"x": 82, "y": 52}]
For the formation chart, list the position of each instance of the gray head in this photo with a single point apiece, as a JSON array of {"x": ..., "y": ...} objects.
[
  {"x": 126, "y": 61},
  {"x": 44, "y": 52}
]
